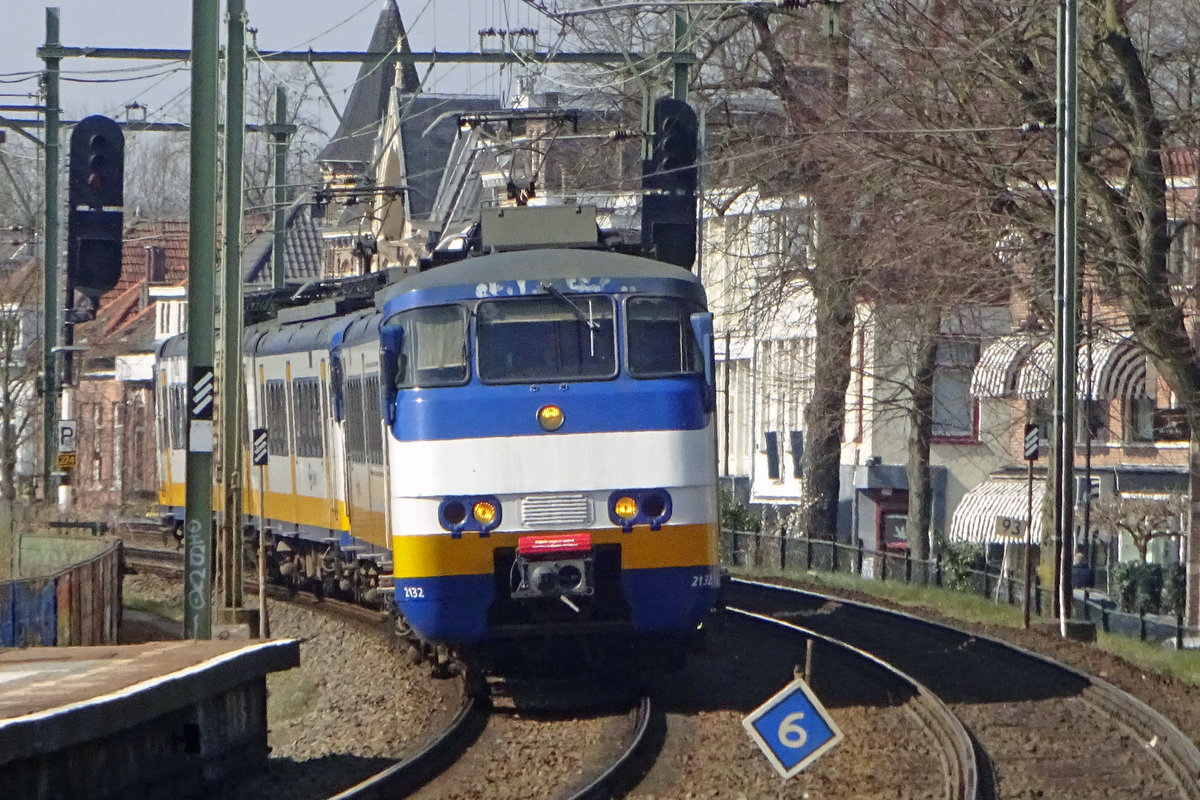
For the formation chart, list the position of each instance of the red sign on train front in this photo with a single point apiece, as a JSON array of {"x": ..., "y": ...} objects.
[{"x": 568, "y": 543}]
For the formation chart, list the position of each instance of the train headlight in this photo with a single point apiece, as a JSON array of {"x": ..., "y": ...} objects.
[
  {"x": 625, "y": 507},
  {"x": 484, "y": 513},
  {"x": 550, "y": 418}
]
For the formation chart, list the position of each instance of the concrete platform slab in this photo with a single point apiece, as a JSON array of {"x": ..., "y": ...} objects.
[{"x": 166, "y": 713}]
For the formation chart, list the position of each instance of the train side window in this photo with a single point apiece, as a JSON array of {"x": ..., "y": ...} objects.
[
  {"x": 306, "y": 411},
  {"x": 660, "y": 338},
  {"x": 434, "y": 349},
  {"x": 277, "y": 423},
  {"x": 178, "y": 404},
  {"x": 372, "y": 420},
  {"x": 354, "y": 420}
]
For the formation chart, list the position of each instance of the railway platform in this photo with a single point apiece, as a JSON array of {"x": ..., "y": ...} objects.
[{"x": 156, "y": 720}]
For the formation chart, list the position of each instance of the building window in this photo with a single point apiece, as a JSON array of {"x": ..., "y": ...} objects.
[
  {"x": 1171, "y": 425},
  {"x": 1139, "y": 419},
  {"x": 797, "y": 442},
  {"x": 954, "y": 407},
  {"x": 1092, "y": 421},
  {"x": 772, "y": 438},
  {"x": 1181, "y": 256},
  {"x": 1040, "y": 412}
]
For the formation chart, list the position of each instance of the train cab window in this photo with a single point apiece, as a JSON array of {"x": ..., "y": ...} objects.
[
  {"x": 661, "y": 341},
  {"x": 546, "y": 339},
  {"x": 434, "y": 350}
]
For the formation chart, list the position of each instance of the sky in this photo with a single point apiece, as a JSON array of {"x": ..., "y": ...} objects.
[{"x": 92, "y": 86}]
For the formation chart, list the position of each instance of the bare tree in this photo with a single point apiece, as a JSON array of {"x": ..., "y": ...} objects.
[
  {"x": 1141, "y": 519},
  {"x": 980, "y": 76},
  {"x": 156, "y": 175},
  {"x": 20, "y": 359},
  {"x": 303, "y": 100}
]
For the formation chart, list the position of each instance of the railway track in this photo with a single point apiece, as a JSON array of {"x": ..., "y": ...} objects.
[
  {"x": 954, "y": 750},
  {"x": 1036, "y": 728},
  {"x": 602, "y": 755},
  {"x": 1042, "y": 728}
]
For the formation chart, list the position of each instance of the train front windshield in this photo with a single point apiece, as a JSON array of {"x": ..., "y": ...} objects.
[
  {"x": 547, "y": 338},
  {"x": 554, "y": 338}
]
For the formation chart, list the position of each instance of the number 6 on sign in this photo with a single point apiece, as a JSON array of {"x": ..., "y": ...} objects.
[{"x": 791, "y": 732}]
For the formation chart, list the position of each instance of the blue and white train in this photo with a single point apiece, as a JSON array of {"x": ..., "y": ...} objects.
[{"x": 509, "y": 450}]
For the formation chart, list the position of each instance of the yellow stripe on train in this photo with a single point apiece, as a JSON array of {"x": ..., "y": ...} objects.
[
  {"x": 434, "y": 555},
  {"x": 300, "y": 510}
]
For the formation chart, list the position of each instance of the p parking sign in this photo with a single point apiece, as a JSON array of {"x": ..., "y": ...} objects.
[{"x": 793, "y": 729}]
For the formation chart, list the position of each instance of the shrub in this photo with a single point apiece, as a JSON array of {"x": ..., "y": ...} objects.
[
  {"x": 1174, "y": 589},
  {"x": 733, "y": 516},
  {"x": 959, "y": 560},
  {"x": 1139, "y": 586}
]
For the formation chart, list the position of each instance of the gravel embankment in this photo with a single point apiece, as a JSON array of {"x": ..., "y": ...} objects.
[
  {"x": 355, "y": 703},
  {"x": 352, "y": 707}
]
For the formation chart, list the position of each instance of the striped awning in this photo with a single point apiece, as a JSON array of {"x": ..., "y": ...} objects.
[
  {"x": 1018, "y": 365},
  {"x": 1036, "y": 378},
  {"x": 996, "y": 373},
  {"x": 974, "y": 520},
  {"x": 1118, "y": 368}
]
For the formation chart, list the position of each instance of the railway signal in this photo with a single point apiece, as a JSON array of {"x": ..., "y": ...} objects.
[
  {"x": 669, "y": 179},
  {"x": 95, "y": 195}
]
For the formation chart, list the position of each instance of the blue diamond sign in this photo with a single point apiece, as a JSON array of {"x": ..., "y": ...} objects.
[{"x": 793, "y": 729}]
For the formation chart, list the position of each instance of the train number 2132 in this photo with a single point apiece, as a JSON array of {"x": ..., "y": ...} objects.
[{"x": 414, "y": 592}]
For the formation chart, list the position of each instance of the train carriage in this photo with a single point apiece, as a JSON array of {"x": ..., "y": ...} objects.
[
  {"x": 520, "y": 445},
  {"x": 551, "y": 447}
]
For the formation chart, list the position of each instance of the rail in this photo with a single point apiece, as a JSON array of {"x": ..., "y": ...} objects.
[
  {"x": 405, "y": 777},
  {"x": 609, "y": 783},
  {"x": 961, "y": 767},
  {"x": 788, "y": 554},
  {"x": 1175, "y": 752}
]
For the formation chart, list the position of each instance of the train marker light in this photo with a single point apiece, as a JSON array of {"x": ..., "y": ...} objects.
[
  {"x": 484, "y": 512},
  {"x": 626, "y": 507},
  {"x": 550, "y": 418},
  {"x": 454, "y": 512}
]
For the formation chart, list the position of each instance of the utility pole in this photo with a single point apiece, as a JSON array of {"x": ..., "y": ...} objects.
[
  {"x": 230, "y": 326},
  {"x": 679, "y": 71},
  {"x": 50, "y": 264},
  {"x": 280, "y": 138},
  {"x": 202, "y": 239},
  {"x": 1066, "y": 308}
]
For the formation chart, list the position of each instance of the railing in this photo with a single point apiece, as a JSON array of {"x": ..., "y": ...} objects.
[
  {"x": 785, "y": 553},
  {"x": 79, "y": 605}
]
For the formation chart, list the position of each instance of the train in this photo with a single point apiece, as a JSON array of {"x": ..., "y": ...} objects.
[{"x": 513, "y": 454}]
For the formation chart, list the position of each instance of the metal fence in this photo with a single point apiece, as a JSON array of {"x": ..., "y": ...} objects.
[
  {"x": 79, "y": 605},
  {"x": 775, "y": 551}
]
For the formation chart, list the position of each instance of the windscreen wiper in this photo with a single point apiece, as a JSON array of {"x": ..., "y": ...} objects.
[{"x": 579, "y": 312}]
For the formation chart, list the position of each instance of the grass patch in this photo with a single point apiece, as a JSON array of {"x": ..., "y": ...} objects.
[
  {"x": 974, "y": 609},
  {"x": 1183, "y": 666},
  {"x": 290, "y": 695},
  {"x": 169, "y": 610}
]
